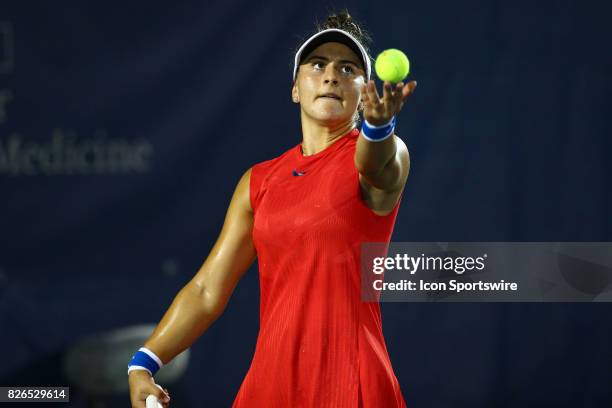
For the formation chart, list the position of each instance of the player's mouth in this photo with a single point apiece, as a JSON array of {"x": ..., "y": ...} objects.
[{"x": 330, "y": 95}]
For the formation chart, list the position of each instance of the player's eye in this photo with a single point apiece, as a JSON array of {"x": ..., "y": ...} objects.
[
  {"x": 350, "y": 69},
  {"x": 314, "y": 64}
]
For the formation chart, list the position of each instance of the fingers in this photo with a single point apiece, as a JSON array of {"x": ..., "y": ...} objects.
[
  {"x": 372, "y": 94},
  {"x": 393, "y": 95},
  {"x": 392, "y": 100},
  {"x": 151, "y": 389},
  {"x": 166, "y": 403},
  {"x": 399, "y": 88},
  {"x": 364, "y": 95},
  {"x": 161, "y": 393},
  {"x": 408, "y": 89},
  {"x": 388, "y": 93}
]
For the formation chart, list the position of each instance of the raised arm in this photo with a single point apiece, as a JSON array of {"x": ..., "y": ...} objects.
[
  {"x": 201, "y": 301},
  {"x": 383, "y": 165}
]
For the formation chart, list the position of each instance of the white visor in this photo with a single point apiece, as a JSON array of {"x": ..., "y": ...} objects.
[{"x": 333, "y": 35}]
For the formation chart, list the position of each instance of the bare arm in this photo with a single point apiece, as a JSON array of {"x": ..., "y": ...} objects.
[
  {"x": 200, "y": 302},
  {"x": 381, "y": 187},
  {"x": 383, "y": 166}
]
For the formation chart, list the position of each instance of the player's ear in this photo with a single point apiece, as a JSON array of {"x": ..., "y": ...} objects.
[{"x": 295, "y": 95}]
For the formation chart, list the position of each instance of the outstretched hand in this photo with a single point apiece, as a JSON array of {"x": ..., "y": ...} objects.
[{"x": 378, "y": 111}]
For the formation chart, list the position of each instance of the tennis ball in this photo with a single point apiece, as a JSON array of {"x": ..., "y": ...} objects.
[{"x": 392, "y": 65}]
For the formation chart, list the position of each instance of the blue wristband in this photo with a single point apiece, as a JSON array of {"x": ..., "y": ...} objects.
[
  {"x": 378, "y": 133},
  {"x": 145, "y": 359}
]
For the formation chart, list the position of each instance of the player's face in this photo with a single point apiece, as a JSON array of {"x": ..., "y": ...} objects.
[{"x": 329, "y": 68}]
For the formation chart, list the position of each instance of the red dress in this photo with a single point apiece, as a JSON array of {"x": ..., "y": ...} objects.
[{"x": 319, "y": 345}]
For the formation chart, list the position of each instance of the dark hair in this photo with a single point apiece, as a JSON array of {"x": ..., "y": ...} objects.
[{"x": 343, "y": 21}]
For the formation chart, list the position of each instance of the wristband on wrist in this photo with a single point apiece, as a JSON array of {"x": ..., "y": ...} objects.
[
  {"x": 378, "y": 133},
  {"x": 145, "y": 359}
]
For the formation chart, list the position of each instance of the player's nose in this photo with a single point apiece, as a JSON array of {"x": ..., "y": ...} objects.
[{"x": 331, "y": 73}]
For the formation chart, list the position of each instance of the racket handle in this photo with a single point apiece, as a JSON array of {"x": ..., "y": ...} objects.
[{"x": 153, "y": 402}]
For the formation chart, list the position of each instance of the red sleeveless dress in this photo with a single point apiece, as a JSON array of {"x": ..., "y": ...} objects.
[{"x": 319, "y": 345}]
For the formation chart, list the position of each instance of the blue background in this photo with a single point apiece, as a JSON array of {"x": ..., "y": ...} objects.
[{"x": 509, "y": 133}]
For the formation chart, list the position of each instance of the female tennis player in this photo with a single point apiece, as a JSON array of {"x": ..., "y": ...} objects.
[{"x": 304, "y": 215}]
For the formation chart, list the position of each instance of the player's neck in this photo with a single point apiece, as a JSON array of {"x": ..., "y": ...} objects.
[{"x": 317, "y": 136}]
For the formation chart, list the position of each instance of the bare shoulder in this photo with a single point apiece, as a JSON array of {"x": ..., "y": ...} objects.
[{"x": 242, "y": 192}]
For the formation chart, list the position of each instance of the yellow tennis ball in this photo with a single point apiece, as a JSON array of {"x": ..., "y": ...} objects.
[{"x": 392, "y": 65}]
